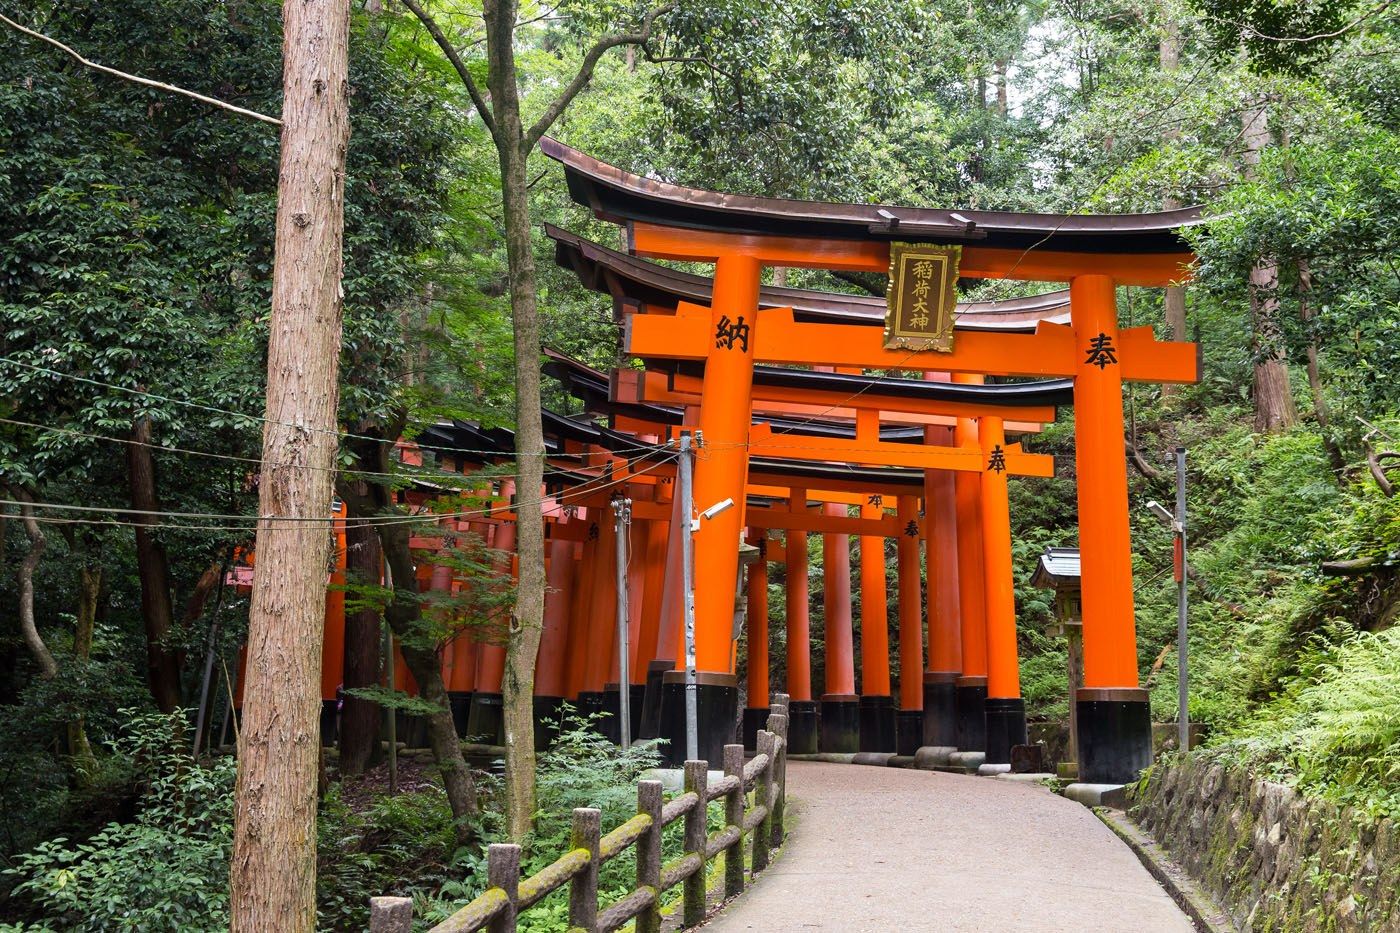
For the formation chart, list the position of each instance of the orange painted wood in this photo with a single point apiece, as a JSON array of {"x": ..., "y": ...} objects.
[
  {"x": 1105, "y": 551},
  {"x": 874, "y": 609},
  {"x": 911, "y": 641},
  {"x": 550, "y": 661},
  {"x": 333, "y": 639},
  {"x": 799, "y": 630},
  {"x": 602, "y": 616},
  {"x": 764, "y": 442},
  {"x": 778, "y": 338},
  {"x": 722, "y": 471},
  {"x": 941, "y": 563},
  {"x": 972, "y": 594},
  {"x": 758, "y": 693},
  {"x": 836, "y": 604},
  {"x": 1026, "y": 265},
  {"x": 1003, "y": 666},
  {"x": 653, "y": 559},
  {"x": 582, "y": 610}
]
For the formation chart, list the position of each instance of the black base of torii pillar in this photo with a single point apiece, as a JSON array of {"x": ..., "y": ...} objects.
[
  {"x": 1115, "y": 734},
  {"x": 717, "y": 708},
  {"x": 840, "y": 724},
  {"x": 1006, "y": 727},
  {"x": 971, "y": 696},
  {"x": 755, "y": 720},
  {"x": 940, "y": 714},
  {"x": 877, "y": 724},
  {"x": 804, "y": 726}
]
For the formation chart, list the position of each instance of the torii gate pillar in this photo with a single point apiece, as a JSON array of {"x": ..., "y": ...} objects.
[
  {"x": 803, "y": 723},
  {"x": 940, "y": 728},
  {"x": 1114, "y": 720},
  {"x": 971, "y": 692},
  {"x": 1006, "y": 711},
  {"x": 721, "y": 473}
]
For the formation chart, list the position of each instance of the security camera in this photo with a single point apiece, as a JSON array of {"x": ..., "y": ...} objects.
[{"x": 717, "y": 508}]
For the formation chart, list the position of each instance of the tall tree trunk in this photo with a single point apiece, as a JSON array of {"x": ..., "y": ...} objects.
[
  {"x": 85, "y": 621},
  {"x": 1000, "y": 70},
  {"x": 1274, "y": 407},
  {"x": 273, "y": 873},
  {"x": 1174, "y": 298},
  {"x": 38, "y": 543},
  {"x": 527, "y": 621},
  {"x": 359, "y": 718},
  {"x": 1319, "y": 400},
  {"x": 153, "y": 569}
]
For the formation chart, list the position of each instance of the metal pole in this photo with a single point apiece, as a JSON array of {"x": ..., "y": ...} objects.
[
  {"x": 622, "y": 524},
  {"x": 1182, "y": 714},
  {"x": 391, "y": 724},
  {"x": 683, "y": 482}
]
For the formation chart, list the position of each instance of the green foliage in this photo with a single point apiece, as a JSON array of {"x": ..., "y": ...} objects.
[{"x": 165, "y": 870}]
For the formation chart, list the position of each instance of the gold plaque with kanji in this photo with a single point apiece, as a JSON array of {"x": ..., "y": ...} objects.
[{"x": 921, "y": 297}]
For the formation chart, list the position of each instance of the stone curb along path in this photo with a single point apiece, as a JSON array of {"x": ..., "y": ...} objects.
[
  {"x": 895, "y": 849},
  {"x": 1189, "y": 896}
]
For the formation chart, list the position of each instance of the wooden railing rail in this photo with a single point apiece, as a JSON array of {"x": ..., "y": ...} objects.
[{"x": 498, "y": 907}]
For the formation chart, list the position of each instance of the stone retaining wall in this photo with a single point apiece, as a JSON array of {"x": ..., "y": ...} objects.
[{"x": 1276, "y": 861}]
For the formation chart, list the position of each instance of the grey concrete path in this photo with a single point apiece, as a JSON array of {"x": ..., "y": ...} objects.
[{"x": 885, "y": 849}]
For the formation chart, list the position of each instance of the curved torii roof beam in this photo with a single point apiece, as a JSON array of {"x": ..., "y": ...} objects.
[
  {"x": 627, "y": 278},
  {"x": 673, "y": 222}
]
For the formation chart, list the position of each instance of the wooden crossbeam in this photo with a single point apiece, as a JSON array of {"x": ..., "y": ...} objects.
[
  {"x": 779, "y": 338},
  {"x": 764, "y": 443},
  {"x": 978, "y": 262}
]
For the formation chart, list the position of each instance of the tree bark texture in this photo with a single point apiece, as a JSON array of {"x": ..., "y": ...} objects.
[
  {"x": 273, "y": 873},
  {"x": 359, "y": 718},
  {"x": 38, "y": 543},
  {"x": 527, "y": 620},
  {"x": 153, "y": 569},
  {"x": 1274, "y": 408}
]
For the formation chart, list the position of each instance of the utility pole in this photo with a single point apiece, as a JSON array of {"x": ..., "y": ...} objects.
[
  {"x": 622, "y": 525},
  {"x": 1182, "y": 715},
  {"x": 684, "y": 492}
]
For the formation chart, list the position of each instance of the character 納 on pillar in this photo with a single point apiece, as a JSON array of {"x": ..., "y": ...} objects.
[
  {"x": 1115, "y": 728},
  {"x": 721, "y": 472},
  {"x": 1005, "y": 711}
]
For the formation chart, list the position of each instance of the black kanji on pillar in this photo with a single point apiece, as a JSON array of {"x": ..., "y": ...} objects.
[
  {"x": 997, "y": 462},
  {"x": 1101, "y": 352},
  {"x": 728, "y": 333}
]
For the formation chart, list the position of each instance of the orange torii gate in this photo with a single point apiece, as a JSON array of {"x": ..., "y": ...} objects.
[
  {"x": 874, "y": 727},
  {"x": 1094, "y": 254}
]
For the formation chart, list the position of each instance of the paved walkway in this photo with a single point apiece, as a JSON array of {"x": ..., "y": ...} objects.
[{"x": 890, "y": 849}]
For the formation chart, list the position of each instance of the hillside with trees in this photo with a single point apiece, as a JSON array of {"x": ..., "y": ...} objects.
[{"x": 136, "y": 277}]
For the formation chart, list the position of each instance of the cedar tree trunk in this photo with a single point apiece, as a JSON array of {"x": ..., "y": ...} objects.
[
  {"x": 153, "y": 569},
  {"x": 273, "y": 874}
]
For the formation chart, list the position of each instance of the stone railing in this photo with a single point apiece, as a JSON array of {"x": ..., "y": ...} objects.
[
  {"x": 1273, "y": 859},
  {"x": 498, "y": 907}
]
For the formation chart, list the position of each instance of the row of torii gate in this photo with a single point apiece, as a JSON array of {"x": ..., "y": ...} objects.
[{"x": 796, "y": 427}]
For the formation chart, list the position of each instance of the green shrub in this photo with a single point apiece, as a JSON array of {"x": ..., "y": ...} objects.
[{"x": 167, "y": 870}]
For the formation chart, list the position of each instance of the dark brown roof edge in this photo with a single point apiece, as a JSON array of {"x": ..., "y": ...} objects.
[
  {"x": 652, "y": 283},
  {"x": 614, "y": 194}
]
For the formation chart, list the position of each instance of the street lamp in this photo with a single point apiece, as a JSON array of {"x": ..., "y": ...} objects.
[{"x": 1177, "y": 524}]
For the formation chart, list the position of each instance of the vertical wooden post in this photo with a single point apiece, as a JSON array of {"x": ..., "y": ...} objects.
[
  {"x": 1115, "y": 728},
  {"x": 503, "y": 871},
  {"x": 874, "y": 608},
  {"x": 734, "y": 816},
  {"x": 799, "y": 633},
  {"x": 763, "y": 795},
  {"x": 649, "y": 855},
  {"x": 911, "y": 643},
  {"x": 725, "y": 415},
  {"x": 778, "y": 724},
  {"x": 697, "y": 778},
  {"x": 583, "y": 889}
]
